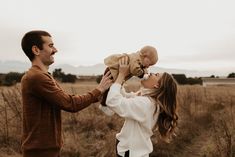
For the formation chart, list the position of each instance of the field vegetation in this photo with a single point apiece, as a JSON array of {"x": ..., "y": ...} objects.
[{"x": 206, "y": 125}]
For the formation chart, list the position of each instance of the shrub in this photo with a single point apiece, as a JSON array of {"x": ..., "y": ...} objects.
[
  {"x": 98, "y": 79},
  {"x": 180, "y": 78},
  {"x": 231, "y": 75},
  {"x": 69, "y": 78},
  {"x": 61, "y": 76},
  {"x": 11, "y": 78}
]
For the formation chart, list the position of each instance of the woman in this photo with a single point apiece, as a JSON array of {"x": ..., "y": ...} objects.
[{"x": 154, "y": 107}]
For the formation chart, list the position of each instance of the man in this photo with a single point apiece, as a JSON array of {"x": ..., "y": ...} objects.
[{"x": 43, "y": 99}]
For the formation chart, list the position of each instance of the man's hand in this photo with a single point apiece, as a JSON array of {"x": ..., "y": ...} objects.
[{"x": 105, "y": 82}]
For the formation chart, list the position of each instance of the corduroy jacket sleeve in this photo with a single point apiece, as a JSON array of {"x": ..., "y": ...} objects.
[{"x": 44, "y": 87}]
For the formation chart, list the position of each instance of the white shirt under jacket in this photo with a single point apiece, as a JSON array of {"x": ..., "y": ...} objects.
[{"x": 138, "y": 112}]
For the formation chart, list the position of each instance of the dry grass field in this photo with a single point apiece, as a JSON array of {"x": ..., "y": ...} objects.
[{"x": 206, "y": 124}]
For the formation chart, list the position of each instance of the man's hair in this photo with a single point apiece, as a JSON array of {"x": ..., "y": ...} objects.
[{"x": 30, "y": 39}]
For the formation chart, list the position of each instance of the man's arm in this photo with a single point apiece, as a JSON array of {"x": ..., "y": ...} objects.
[{"x": 45, "y": 88}]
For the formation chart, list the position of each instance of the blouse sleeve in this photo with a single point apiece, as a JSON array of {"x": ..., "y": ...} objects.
[
  {"x": 135, "y": 108},
  {"x": 127, "y": 94}
]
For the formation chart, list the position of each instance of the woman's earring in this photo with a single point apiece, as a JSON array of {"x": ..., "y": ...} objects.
[{"x": 156, "y": 86}]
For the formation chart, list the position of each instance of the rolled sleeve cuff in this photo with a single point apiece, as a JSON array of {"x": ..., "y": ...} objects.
[{"x": 96, "y": 94}]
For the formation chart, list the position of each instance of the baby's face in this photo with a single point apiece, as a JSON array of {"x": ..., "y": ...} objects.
[
  {"x": 146, "y": 62},
  {"x": 149, "y": 56},
  {"x": 149, "y": 59}
]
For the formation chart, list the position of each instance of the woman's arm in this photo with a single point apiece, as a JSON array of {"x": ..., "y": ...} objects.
[
  {"x": 134, "y": 108},
  {"x": 128, "y": 94},
  {"x": 123, "y": 71}
]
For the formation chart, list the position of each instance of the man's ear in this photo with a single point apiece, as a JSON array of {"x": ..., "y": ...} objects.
[{"x": 35, "y": 50}]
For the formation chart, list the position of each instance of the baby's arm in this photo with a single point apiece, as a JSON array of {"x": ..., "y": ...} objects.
[{"x": 136, "y": 69}]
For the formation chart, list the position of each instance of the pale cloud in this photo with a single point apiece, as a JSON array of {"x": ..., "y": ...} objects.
[{"x": 188, "y": 34}]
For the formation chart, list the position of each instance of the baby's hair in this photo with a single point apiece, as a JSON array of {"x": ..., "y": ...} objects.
[
  {"x": 150, "y": 52},
  {"x": 144, "y": 50}
]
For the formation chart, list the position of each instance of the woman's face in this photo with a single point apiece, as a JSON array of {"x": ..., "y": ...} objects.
[{"x": 152, "y": 81}]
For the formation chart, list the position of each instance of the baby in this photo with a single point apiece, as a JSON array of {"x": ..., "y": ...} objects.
[{"x": 138, "y": 62}]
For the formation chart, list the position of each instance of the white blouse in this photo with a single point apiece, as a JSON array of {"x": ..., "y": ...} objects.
[{"x": 138, "y": 112}]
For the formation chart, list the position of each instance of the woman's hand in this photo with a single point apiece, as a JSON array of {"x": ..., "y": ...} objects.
[{"x": 124, "y": 70}]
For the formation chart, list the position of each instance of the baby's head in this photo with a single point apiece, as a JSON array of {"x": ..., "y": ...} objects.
[{"x": 149, "y": 56}]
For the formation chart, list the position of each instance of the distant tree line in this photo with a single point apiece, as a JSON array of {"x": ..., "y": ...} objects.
[
  {"x": 180, "y": 78},
  {"x": 12, "y": 78},
  {"x": 62, "y": 77},
  {"x": 183, "y": 80}
]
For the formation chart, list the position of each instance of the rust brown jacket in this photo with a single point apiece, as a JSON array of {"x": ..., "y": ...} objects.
[{"x": 43, "y": 100}]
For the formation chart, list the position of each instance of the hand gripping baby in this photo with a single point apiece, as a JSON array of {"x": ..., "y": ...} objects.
[{"x": 139, "y": 62}]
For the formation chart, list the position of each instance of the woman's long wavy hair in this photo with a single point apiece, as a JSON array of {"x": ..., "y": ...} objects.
[{"x": 166, "y": 98}]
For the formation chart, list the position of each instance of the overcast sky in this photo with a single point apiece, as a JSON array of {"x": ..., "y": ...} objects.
[{"x": 188, "y": 34}]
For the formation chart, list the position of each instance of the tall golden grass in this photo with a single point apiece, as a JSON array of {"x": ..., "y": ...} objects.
[{"x": 206, "y": 124}]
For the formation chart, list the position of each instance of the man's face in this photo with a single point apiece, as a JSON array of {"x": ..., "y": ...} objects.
[{"x": 48, "y": 50}]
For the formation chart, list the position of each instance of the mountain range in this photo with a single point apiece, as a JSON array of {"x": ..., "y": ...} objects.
[{"x": 97, "y": 69}]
